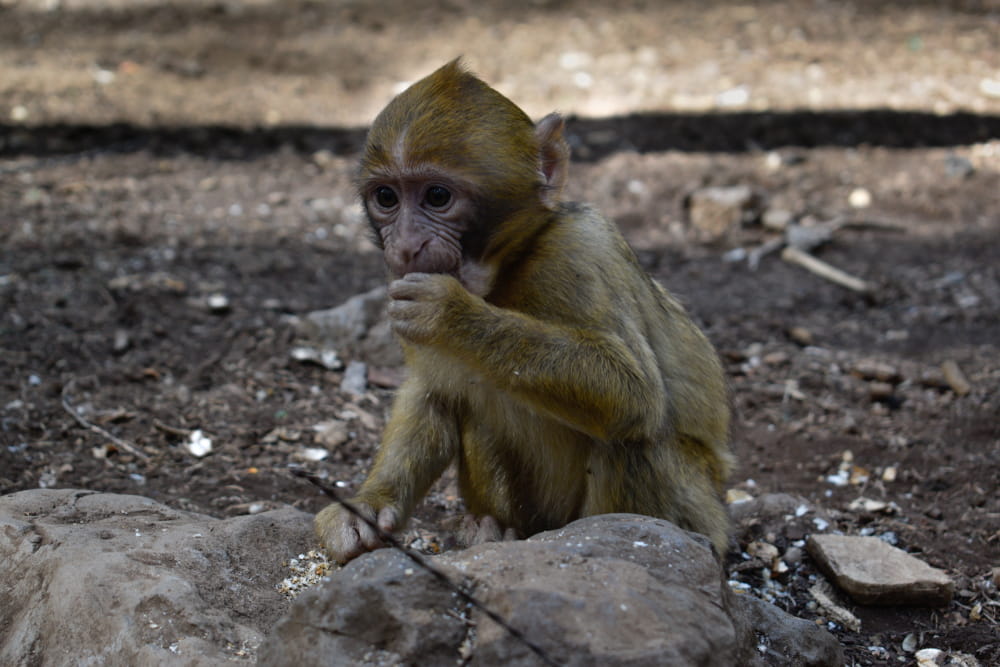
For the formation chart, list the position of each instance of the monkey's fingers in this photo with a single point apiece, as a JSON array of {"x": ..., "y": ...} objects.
[
  {"x": 409, "y": 287},
  {"x": 344, "y": 535},
  {"x": 424, "y": 287},
  {"x": 366, "y": 536},
  {"x": 388, "y": 519}
]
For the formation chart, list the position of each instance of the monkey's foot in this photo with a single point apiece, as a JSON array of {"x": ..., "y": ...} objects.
[{"x": 483, "y": 529}]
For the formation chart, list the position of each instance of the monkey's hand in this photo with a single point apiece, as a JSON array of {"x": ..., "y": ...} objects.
[
  {"x": 423, "y": 304},
  {"x": 346, "y": 536}
]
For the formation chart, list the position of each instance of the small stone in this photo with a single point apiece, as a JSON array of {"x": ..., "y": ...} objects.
[
  {"x": 355, "y": 379},
  {"x": 326, "y": 357},
  {"x": 927, "y": 657},
  {"x": 874, "y": 572},
  {"x": 218, "y": 303},
  {"x": 955, "y": 378},
  {"x": 736, "y": 496},
  {"x": 860, "y": 198},
  {"x": 198, "y": 445},
  {"x": 870, "y": 369},
  {"x": 880, "y": 391},
  {"x": 868, "y": 505},
  {"x": 958, "y": 166},
  {"x": 775, "y": 358},
  {"x": 765, "y": 551},
  {"x": 777, "y": 219},
  {"x": 121, "y": 341},
  {"x": 801, "y": 335},
  {"x": 734, "y": 97},
  {"x": 714, "y": 212},
  {"x": 332, "y": 433},
  {"x": 793, "y": 555},
  {"x": 311, "y": 454}
]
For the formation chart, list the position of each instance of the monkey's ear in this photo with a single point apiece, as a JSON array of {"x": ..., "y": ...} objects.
[{"x": 553, "y": 154}]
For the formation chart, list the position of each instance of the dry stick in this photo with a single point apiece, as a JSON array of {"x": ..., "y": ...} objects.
[
  {"x": 127, "y": 446},
  {"x": 172, "y": 430},
  {"x": 423, "y": 564},
  {"x": 824, "y": 270}
]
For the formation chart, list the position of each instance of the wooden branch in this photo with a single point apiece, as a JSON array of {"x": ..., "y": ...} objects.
[
  {"x": 822, "y": 269},
  {"x": 127, "y": 446},
  {"x": 172, "y": 430},
  {"x": 762, "y": 251}
]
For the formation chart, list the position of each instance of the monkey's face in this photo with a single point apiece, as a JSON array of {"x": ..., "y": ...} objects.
[{"x": 420, "y": 221}]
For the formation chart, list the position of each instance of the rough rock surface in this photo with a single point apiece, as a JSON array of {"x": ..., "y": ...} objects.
[
  {"x": 606, "y": 590},
  {"x": 94, "y": 578},
  {"x": 356, "y": 328},
  {"x": 874, "y": 572}
]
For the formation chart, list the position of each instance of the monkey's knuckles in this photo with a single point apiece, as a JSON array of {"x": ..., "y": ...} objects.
[
  {"x": 343, "y": 535},
  {"x": 423, "y": 287},
  {"x": 418, "y": 315}
]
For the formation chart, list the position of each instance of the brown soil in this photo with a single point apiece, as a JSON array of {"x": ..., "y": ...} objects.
[{"x": 156, "y": 153}]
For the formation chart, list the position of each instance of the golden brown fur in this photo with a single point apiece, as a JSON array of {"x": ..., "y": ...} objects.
[{"x": 562, "y": 380}]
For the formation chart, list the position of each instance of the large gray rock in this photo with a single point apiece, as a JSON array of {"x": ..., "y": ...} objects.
[
  {"x": 606, "y": 590},
  {"x": 103, "y": 579}
]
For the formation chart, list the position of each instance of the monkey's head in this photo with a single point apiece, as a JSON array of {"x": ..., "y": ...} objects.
[{"x": 455, "y": 176}]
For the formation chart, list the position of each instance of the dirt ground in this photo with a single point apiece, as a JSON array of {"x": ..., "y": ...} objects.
[{"x": 175, "y": 182}]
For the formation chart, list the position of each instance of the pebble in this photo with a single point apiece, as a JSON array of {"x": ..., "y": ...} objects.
[
  {"x": 859, "y": 198},
  {"x": 218, "y": 303},
  {"x": 198, "y": 445},
  {"x": 355, "y": 379},
  {"x": 331, "y": 433},
  {"x": 958, "y": 166},
  {"x": 325, "y": 357},
  {"x": 793, "y": 555},
  {"x": 776, "y": 218},
  {"x": 714, "y": 211},
  {"x": 801, "y": 335}
]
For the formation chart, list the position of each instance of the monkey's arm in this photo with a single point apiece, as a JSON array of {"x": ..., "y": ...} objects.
[
  {"x": 587, "y": 378},
  {"x": 418, "y": 443}
]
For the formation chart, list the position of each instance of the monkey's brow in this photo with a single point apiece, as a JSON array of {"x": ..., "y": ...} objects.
[{"x": 414, "y": 172}]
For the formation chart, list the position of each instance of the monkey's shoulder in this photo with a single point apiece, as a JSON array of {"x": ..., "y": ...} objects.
[{"x": 580, "y": 263}]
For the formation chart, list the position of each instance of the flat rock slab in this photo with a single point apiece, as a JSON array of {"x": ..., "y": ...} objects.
[
  {"x": 104, "y": 579},
  {"x": 874, "y": 572}
]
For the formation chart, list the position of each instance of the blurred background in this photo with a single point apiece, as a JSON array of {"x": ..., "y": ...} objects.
[{"x": 271, "y": 62}]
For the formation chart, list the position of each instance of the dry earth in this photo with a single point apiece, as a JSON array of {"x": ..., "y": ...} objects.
[{"x": 157, "y": 153}]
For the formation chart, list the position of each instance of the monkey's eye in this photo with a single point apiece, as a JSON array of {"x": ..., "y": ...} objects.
[
  {"x": 385, "y": 197},
  {"x": 437, "y": 196}
]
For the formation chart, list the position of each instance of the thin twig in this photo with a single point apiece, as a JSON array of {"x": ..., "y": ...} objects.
[
  {"x": 822, "y": 269},
  {"x": 127, "y": 446},
  {"x": 172, "y": 430},
  {"x": 426, "y": 566}
]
